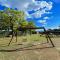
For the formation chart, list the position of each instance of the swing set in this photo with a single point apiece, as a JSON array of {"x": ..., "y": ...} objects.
[{"x": 48, "y": 38}]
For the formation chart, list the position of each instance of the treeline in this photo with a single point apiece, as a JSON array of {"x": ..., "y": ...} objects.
[{"x": 54, "y": 31}]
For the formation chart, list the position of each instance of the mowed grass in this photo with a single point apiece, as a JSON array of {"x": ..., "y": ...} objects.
[
  {"x": 21, "y": 39},
  {"x": 20, "y": 55},
  {"x": 26, "y": 41}
]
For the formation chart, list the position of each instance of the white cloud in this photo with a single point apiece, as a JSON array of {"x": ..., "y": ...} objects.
[
  {"x": 33, "y": 1},
  {"x": 38, "y": 13},
  {"x": 26, "y": 5},
  {"x": 40, "y": 7},
  {"x": 47, "y": 5},
  {"x": 7, "y": 5},
  {"x": 27, "y": 15},
  {"x": 42, "y": 21},
  {"x": 46, "y": 17},
  {"x": 20, "y": 4},
  {"x": 43, "y": 4}
]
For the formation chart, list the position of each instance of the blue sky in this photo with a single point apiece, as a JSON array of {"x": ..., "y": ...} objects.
[{"x": 43, "y": 12}]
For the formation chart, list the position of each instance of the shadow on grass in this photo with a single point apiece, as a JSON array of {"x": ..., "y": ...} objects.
[{"x": 24, "y": 49}]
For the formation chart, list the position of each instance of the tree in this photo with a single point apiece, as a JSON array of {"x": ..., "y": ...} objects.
[
  {"x": 3, "y": 20},
  {"x": 15, "y": 17},
  {"x": 10, "y": 19},
  {"x": 31, "y": 25},
  {"x": 24, "y": 23}
]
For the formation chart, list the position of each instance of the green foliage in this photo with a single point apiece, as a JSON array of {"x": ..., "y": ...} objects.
[
  {"x": 31, "y": 24},
  {"x": 3, "y": 20},
  {"x": 24, "y": 23},
  {"x": 10, "y": 17}
]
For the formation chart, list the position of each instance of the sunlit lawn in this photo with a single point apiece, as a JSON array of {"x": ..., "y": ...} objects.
[{"x": 27, "y": 40}]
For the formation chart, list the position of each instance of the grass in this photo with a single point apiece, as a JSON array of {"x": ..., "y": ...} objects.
[
  {"x": 22, "y": 41},
  {"x": 17, "y": 55},
  {"x": 27, "y": 54}
]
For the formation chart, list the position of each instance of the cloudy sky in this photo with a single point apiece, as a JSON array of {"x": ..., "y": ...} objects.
[{"x": 43, "y": 12}]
